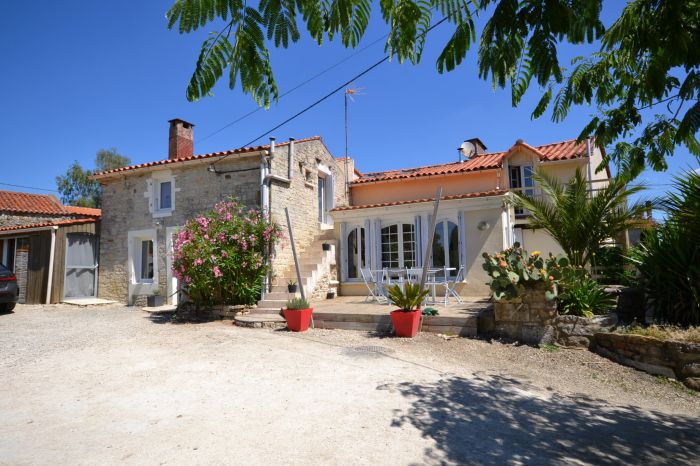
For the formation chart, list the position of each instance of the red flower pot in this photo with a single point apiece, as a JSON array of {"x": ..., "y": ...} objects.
[
  {"x": 405, "y": 323},
  {"x": 298, "y": 320}
]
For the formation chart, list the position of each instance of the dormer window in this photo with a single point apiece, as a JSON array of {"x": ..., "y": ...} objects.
[{"x": 521, "y": 180}]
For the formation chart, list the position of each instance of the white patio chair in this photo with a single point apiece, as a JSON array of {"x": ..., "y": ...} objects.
[
  {"x": 451, "y": 285},
  {"x": 374, "y": 289}
]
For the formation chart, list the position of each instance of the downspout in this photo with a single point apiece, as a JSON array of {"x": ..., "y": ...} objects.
[
  {"x": 52, "y": 251},
  {"x": 264, "y": 189},
  {"x": 290, "y": 159}
]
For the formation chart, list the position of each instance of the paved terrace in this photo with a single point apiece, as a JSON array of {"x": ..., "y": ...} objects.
[{"x": 355, "y": 313}]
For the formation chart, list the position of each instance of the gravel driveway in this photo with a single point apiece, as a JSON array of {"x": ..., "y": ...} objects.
[{"x": 107, "y": 385}]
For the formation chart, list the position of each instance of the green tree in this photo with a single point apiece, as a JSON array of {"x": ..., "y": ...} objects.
[
  {"x": 578, "y": 219},
  {"x": 649, "y": 56},
  {"x": 78, "y": 189}
]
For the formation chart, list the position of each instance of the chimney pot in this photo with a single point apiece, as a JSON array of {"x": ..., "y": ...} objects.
[{"x": 181, "y": 139}]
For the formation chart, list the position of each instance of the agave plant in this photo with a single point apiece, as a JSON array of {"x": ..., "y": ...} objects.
[{"x": 583, "y": 296}]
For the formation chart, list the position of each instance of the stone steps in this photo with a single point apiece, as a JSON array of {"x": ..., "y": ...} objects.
[
  {"x": 465, "y": 326},
  {"x": 260, "y": 321}
]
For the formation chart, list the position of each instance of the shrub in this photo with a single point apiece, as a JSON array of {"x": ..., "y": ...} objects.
[
  {"x": 513, "y": 271},
  {"x": 297, "y": 304},
  {"x": 583, "y": 296},
  {"x": 691, "y": 334},
  {"x": 220, "y": 257},
  {"x": 668, "y": 258}
]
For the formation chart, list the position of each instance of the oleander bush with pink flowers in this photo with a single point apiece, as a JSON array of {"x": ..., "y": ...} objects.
[{"x": 221, "y": 257}]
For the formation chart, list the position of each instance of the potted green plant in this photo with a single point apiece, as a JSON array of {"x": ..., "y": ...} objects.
[
  {"x": 406, "y": 319},
  {"x": 297, "y": 313},
  {"x": 292, "y": 286}
]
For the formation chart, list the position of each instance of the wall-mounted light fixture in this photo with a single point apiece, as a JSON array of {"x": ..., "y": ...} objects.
[{"x": 483, "y": 225}]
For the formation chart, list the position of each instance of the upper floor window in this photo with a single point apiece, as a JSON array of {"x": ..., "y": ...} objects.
[
  {"x": 521, "y": 179},
  {"x": 163, "y": 194},
  {"x": 165, "y": 202}
]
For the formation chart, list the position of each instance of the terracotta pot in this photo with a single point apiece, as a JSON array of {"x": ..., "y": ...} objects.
[
  {"x": 298, "y": 320},
  {"x": 406, "y": 323}
]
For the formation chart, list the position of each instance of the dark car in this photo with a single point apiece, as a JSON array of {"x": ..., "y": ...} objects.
[{"x": 9, "y": 293}]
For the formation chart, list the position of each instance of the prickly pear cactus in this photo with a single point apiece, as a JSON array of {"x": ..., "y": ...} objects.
[{"x": 513, "y": 271}]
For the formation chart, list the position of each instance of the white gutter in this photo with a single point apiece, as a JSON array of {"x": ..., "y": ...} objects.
[
  {"x": 419, "y": 177},
  {"x": 20, "y": 231},
  {"x": 52, "y": 252}
]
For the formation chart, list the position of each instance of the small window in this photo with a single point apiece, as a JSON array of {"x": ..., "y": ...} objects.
[
  {"x": 166, "y": 197},
  {"x": 147, "y": 260}
]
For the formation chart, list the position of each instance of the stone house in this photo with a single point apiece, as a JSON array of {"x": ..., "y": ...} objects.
[
  {"x": 386, "y": 224},
  {"x": 51, "y": 248},
  {"x": 144, "y": 205}
]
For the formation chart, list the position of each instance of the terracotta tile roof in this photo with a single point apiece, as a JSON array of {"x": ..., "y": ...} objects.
[
  {"x": 239, "y": 151},
  {"x": 494, "y": 192},
  {"x": 12, "y": 201},
  {"x": 87, "y": 211},
  {"x": 549, "y": 152},
  {"x": 47, "y": 204},
  {"x": 69, "y": 221}
]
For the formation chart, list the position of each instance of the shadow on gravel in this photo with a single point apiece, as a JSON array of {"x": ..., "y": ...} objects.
[
  {"x": 492, "y": 421},
  {"x": 162, "y": 317}
]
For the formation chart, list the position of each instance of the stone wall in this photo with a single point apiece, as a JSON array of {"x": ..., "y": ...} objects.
[
  {"x": 196, "y": 190},
  {"x": 126, "y": 208},
  {"x": 301, "y": 196},
  {"x": 680, "y": 360},
  {"x": 529, "y": 319},
  {"x": 21, "y": 265},
  {"x": 10, "y": 219},
  {"x": 579, "y": 331}
]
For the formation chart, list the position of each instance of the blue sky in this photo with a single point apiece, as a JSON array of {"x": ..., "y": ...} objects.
[{"x": 81, "y": 75}]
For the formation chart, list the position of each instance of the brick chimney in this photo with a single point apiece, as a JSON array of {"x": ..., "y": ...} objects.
[{"x": 181, "y": 141}]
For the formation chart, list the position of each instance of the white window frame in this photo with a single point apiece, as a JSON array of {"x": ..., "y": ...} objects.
[
  {"x": 443, "y": 224},
  {"x": 360, "y": 258},
  {"x": 522, "y": 188},
  {"x": 137, "y": 285},
  {"x": 400, "y": 240},
  {"x": 153, "y": 193},
  {"x": 328, "y": 200}
]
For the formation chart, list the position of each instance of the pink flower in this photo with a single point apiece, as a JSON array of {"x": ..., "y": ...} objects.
[
  {"x": 198, "y": 261},
  {"x": 217, "y": 272},
  {"x": 188, "y": 279}
]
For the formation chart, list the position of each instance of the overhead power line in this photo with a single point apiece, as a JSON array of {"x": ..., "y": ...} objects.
[
  {"x": 296, "y": 87},
  {"x": 325, "y": 97},
  {"x": 28, "y": 187}
]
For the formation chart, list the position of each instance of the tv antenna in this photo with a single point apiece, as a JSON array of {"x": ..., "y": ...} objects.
[{"x": 349, "y": 93}]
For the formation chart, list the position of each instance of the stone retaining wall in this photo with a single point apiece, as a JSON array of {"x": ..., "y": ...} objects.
[
  {"x": 579, "y": 331},
  {"x": 529, "y": 319},
  {"x": 675, "y": 359}
]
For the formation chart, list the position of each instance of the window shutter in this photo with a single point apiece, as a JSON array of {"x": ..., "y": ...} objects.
[
  {"x": 419, "y": 240},
  {"x": 331, "y": 192},
  {"x": 368, "y": 243},
  {"x": 377, "y": 244},
  {"x": 462, "y": 241},
  {"x": 344, "y": 251}
]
